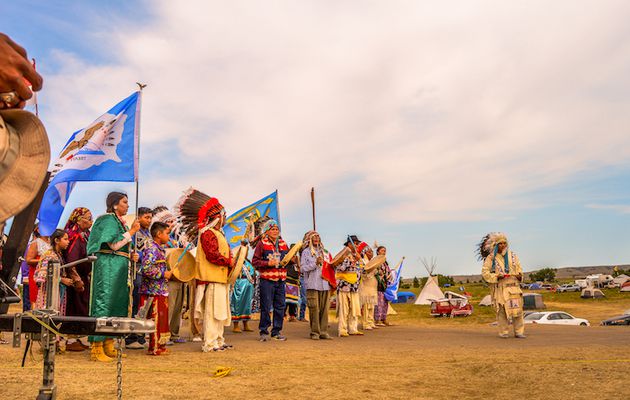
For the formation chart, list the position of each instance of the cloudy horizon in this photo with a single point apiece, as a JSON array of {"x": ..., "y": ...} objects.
[{"x": 421, "y": 125}]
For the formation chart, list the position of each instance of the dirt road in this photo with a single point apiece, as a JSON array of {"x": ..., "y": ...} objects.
[{"x": 399, "y": 362}]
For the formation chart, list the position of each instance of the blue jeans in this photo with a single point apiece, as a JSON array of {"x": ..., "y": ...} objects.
[
  {"x": 134, "y": 337},
  {"x": 271, "y": 298},
  {"x": 26, "y": 301},
  {"x": 302, "y": 298}
]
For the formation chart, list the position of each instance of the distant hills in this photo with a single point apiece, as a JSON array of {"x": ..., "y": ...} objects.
[{"x": 561, "y": 273}]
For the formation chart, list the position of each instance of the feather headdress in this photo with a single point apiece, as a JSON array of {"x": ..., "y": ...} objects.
[
  {"x": 196, "y": 210},
  {"x": 488, "y": 243}
]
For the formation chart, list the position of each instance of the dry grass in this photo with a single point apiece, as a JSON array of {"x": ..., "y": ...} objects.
[{"x": 420, "y": 358}]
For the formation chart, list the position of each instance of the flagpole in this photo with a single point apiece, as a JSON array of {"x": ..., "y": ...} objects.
[
  {"x": 313, "y": 206},
  {"x": 278, "y": 205},
  {"x": 138, "y": 116},
  {"x": 141, "y": 86}
]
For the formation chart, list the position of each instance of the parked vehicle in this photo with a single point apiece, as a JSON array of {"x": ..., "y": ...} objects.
[
  {"x": 582, "y": 283},
  {"x": 554, "y": 318},
  {"x": 547, "y": 286},
  {"x": 620, "y": 320},
  {"x": 569, "y": 287},
  {"x": 452, "y": 307}
]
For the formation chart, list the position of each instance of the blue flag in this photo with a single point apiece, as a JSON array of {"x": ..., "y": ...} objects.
[
  {"x": 391, "y": 293},
  {"x": 106, "y": 150},
  {"x": 236, "y": 224}
]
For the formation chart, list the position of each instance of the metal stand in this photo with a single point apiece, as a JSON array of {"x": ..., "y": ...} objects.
[
  {"x": 46, "y": 324},
  {"x": 48, "y": 391}
]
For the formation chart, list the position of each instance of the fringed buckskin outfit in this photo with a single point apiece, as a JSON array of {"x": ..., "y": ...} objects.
[{"x": 503, "y": 272}]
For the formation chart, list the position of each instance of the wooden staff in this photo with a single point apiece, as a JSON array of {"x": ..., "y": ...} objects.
[{"x": 313, "y": 206}]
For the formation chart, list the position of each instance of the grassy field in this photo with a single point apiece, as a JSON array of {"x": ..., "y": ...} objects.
[
  {"x": 420, "y": 357},
  {"x": 595, "y": 310}
]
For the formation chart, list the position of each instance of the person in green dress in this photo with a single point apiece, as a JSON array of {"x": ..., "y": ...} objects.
[
  {"x": 241, "y": 298},
  {"x": 111, "y": 285}
]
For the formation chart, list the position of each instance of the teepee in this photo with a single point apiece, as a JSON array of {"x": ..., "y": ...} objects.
[{"x": 431, "y": 289}]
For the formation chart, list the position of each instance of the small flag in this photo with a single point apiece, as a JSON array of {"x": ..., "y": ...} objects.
[
  {"x": 106, "y": 150},
  {"x": 236, "y": 224},
  {"x": 391, "y": 293}
]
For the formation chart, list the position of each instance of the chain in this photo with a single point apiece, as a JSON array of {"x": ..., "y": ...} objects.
[{"x": 119, "y": 369}]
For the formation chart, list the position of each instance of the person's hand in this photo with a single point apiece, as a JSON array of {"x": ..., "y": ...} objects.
[
  {"x": 500, "y": 276},
  {"x": 14, "y": 69},
  {"x": 78, "y": 285},
  {"x": 135, "y": 227},
  {"x": 135, "y": 256},
  {"x": 66, "y": 281},
  {"x": 168, "y": 273}
]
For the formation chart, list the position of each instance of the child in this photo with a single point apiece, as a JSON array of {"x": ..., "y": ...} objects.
[
  {"x": 59, "y": 242},
  {"x": 154, "y": 285}
]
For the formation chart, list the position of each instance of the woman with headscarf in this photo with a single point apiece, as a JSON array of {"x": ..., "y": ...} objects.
[
  {"x": 78, "y": 298},
  {"x": 268, "y": 253},
  {"x": 111, "y": 276}
]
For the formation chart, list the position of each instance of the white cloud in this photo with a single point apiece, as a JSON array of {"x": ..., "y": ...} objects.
[
  {"x": 619, "y": 208},
  {"x": 415, "y": 111}
]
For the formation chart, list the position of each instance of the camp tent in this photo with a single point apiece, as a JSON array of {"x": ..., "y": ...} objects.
[
  {"x": 592, "y": 293},
  {"x": 625, "y": 287},
  {"x": 405, "y": 297},
  {"x": 431, "y": 289},
  {"x": 533, "y": 301},
  {"x": 621, "y": 279},
  {"x": 486, "y": 301},
  {"x": 453, "y": 295},
  {"x": 535, "y": 286}
]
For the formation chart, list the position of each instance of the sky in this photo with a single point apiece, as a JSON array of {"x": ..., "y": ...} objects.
[{"x": 422, "y": 125}]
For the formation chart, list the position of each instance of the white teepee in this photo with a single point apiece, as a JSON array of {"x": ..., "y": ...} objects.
[{"x": 431, "y": 289}]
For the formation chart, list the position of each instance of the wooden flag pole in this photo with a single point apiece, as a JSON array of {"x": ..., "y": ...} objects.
[{"x": 313, "y": 207}]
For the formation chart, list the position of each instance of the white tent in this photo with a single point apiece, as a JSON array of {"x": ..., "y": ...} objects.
[
  {"x": 431, "y": 289},
  {"x": 486, "y": 301},
  {"x": 621, "y": 279}
]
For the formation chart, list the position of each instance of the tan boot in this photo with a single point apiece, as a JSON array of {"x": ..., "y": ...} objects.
[
  {"x": 236, "y": 328},
  {"x": 97, "y": 353},
  {"x": 246, "y": 327},
  {"x": 110, "y": 351}
]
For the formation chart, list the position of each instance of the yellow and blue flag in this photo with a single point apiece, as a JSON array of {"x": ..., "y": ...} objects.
[{"x": 236, "y": 224}]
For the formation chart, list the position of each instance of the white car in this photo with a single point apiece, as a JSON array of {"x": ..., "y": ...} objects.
[{"x": 555, "y": 318}]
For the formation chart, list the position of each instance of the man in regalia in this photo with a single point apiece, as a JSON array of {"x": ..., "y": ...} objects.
[
  {"x": 503, "y": 273},
  {"x": 202, "y": 218}
]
